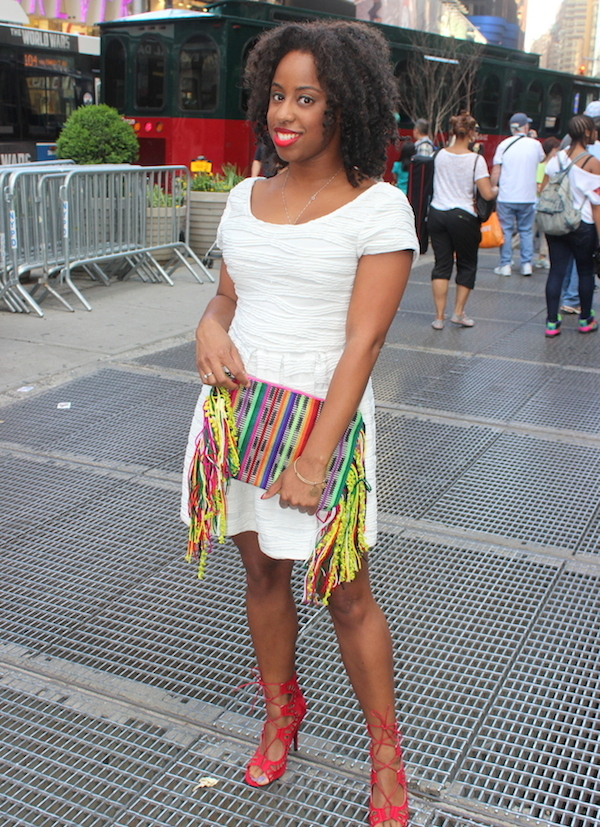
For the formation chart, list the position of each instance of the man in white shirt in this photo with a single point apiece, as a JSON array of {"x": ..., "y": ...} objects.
[{"x": 514, "y": 170}]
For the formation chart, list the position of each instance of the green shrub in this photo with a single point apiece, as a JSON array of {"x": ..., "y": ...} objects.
[
  {"x": 97, "y": 135},
  {"x": 207, "y": 182}
]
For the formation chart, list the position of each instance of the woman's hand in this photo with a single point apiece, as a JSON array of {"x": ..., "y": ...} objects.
[
  {"x": 300, "y": 486},
  {"x": 217, "y": 358}
]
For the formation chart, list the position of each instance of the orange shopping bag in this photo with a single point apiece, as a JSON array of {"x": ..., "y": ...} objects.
[{"x": 491, "y": 232}]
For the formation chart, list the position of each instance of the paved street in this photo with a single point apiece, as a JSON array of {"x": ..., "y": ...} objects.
[{"x": 120, "y": 671}]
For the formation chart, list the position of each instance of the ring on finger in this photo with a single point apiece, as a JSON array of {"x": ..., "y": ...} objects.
[
  {"x": 206, "y": 375},
  {"x": 227, "y": 372}
]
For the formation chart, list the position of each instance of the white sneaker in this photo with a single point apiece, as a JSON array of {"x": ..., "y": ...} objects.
[
  {"x": 503, "y": 270},
  {"x": 526, "y": 270}
]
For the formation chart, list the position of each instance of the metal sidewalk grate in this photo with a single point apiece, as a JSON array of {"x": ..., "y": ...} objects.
[
  {"x": 590, "y": 541},
  {"x": 170, "y": 630},
  {"x": 114, "y": 415},
  {"x": 538, "y": 752},
  {"x": 401, "y": 374},
  {"x": 569, "y": 401},
  {"x": 410, "y": 327},
  {"x": 528, "y": 342},
  {"x": 441, "y": 819},
  {"x": 417, "y": 459},
  {"x": 494, "y": 388},
  {"x": 61, "y": 767},
  {"x": 457, "y": 617},
  {"x": 305, "y": 796},
  {"x": 35, "y": 494},
  {"x": 180, "y": 357},
  {"x": 527, "y": 489}
]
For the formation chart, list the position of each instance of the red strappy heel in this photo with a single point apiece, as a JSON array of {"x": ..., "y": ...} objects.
[
  {"x": 293, "y": 707},
  {"x": 390, "y": 738}
]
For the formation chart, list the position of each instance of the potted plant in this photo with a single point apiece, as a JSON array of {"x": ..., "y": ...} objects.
[
  {"x": 97, "y": 135},
  {"x": 207, "y": 201},
  {"x": 165, "y": 217}
]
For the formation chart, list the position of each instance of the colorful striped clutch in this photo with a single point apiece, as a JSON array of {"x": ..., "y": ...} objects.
[
  {"x": 253, "y": 434},
  {"x": 273, "y": 425}
]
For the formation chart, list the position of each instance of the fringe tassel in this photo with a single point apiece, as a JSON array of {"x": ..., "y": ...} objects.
[
  {"x": 341, "y": 546},
  {"x": 215, "y": 461}
]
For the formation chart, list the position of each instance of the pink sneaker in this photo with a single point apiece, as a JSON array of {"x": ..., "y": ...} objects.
[{"x": 588, "y": 325}]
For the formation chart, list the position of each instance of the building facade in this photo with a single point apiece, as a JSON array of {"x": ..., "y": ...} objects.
[
  {"x": 502, "y": 22},
  {"x": 572, "y": 44}
]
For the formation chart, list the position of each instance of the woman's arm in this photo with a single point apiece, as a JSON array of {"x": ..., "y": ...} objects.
[
  {"x": 486, "y": 189},
  {"x": 378, "y": 287},
  {"x": 214, "y": 348}
]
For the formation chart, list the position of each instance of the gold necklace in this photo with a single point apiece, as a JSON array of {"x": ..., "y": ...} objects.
[{"x": 310, "y": 200}]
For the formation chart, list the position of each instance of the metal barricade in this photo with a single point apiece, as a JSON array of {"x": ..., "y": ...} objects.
[
  {"x": 23, "y": 238},
  {"x": 107, "y": 219},
  {"x": 129, "y": 215}
]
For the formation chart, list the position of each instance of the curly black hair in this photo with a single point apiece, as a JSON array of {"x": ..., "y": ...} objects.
[{"x": 353, "y": 64}]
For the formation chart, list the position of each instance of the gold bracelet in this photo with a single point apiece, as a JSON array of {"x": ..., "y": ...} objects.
[{"x": 315, "y": 485}]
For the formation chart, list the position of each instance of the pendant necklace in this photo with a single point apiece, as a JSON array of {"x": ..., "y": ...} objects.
[{"x": 310, "y": 200}]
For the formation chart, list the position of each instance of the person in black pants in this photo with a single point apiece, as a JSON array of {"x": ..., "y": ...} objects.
[
  {"x": 453, "y": 226},
  {"x": 584, "y": 180}
]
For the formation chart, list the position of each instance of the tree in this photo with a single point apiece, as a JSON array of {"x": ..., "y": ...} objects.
[
  {"x": 97, "y": 135},
  {"x": 436, "y": 83}
]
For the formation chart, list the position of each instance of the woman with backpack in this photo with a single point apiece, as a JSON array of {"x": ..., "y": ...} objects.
[{"x": 580, "y": 243}]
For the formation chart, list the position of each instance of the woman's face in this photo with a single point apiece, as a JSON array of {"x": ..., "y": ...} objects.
[{"x": 296, "y": 111}]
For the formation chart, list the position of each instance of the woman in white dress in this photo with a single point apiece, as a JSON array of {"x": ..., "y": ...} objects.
[{"x": 315, "y": 262}]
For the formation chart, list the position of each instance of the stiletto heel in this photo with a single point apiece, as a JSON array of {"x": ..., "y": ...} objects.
[
  {"x": 390, "y": 738},
  {"x": 293, "y": 707}
]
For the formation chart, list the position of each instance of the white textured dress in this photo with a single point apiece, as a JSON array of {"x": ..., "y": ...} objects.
[{"x": 294, "y": 283}]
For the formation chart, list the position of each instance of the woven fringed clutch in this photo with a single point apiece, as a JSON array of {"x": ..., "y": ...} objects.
[{"x": 252, "y": 435}]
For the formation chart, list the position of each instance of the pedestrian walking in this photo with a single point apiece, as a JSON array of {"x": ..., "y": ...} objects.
[
  {"x": 400, "y": 168},
  {"x": 423, "y": 144},
  {"x": 514, "y": 170},
  {"x": 453, "y": 225},
  {"x": 550, "y": 148},
  {"x": 315, "y": 262},
  {"x": 581, "y": 243}
]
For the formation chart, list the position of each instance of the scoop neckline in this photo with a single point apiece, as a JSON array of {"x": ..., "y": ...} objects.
[{"x": 312, "y": 220}]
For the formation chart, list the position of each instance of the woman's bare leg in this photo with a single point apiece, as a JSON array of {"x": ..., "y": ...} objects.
[
  {"x": 439, "y": 288},
  {"x": 366, "y": 649},
  {"x": 462, "y": 294},
  {"x": 273, "y": 623}
]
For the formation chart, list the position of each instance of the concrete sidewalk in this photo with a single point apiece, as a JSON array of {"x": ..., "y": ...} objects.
[{"x": 120, "y": 671}]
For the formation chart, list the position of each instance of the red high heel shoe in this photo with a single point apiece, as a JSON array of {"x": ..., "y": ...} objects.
[
  {"x": 294, "y": 708},
  {"x": 390, "y": 738}
]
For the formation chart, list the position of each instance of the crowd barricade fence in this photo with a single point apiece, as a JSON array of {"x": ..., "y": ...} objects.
[
  {"x": 19, "y": 230},
  {"x": 109, "y": 220}
]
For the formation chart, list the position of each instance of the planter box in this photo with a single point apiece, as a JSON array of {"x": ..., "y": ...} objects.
[
  {"x": 162, "y": 228},
  {"x": 206, "y": 209}
]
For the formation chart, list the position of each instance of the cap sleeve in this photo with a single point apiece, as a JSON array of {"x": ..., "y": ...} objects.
[
  {"x": 387, "y": 223},
  {"x": 481, "y": 169},
  {"x": 238, "y": 196}
]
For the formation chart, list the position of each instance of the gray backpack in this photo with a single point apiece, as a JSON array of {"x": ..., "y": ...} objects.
[{"x": 555, "y": 212}]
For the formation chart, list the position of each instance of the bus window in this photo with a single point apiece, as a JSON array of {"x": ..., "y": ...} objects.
[
  {"x": 9, "y": 120},
  {"x": 533, "y": 104},
  {"x": 514, "y": 97},
  {"x": 150, "y": 74},
  {"x": 198, "y": 74},
  {"x": 488, "y": 106},
  {"x": 115, "y": 75},
  {"x": 49, "y": 100},
  {"x": 554, "y": 109}
]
